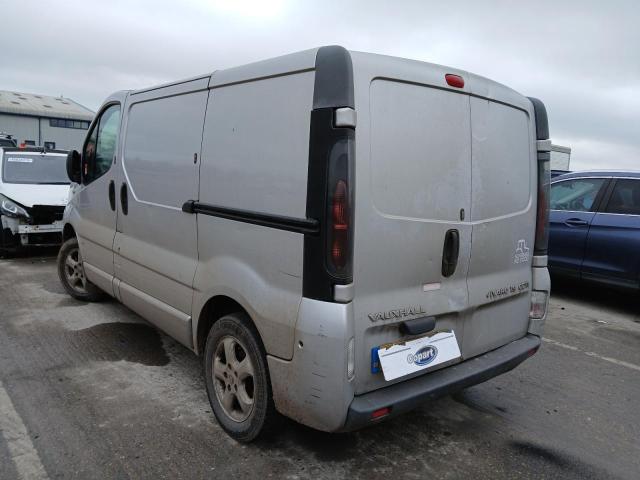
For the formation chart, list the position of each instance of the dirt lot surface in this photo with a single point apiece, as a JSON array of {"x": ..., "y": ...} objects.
[{"x": 91, "y": 391}]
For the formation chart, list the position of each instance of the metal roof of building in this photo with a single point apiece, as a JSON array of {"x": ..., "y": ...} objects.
[{"x": 42, "y": 106}]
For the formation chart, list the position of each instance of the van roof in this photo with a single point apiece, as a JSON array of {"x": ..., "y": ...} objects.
[
  {"x": 434, "y": 74},
  {"x": 306, "y": 61}
]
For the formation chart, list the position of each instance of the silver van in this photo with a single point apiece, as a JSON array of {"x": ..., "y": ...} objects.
[{"x": 342, "y": 236}]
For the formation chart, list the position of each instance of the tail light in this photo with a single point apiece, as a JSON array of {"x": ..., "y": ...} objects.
[
  {"x": 381, "y": 412},
  {"x": 340, "y": 226},
  {"x": 542, "y": 218},
  {"x": 340, "y": 210},
  {"x": 539, "y": 302},
  {"x": 328, "y": 255},
  {"x": 544, "y": 176}
]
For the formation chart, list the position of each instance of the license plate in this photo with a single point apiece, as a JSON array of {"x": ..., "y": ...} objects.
[{"x": 404, "y": 358}]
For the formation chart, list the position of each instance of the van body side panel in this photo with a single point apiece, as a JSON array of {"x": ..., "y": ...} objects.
[
  {"x": 156, "y": 243},
  {"x": 174, "y": 322},
  {"x": 313, "y": 388},
  {"x": 255, "y": 158}
]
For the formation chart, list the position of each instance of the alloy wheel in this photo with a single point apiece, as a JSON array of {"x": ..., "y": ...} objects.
[{"x": 233, "y": 378}]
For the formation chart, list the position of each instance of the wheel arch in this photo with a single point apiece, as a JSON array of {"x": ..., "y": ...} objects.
[
  {"x": 68, "y": 232},
  {"x": 214, "y": 309}
]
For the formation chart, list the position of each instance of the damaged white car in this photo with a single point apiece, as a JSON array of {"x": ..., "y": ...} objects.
[{"x": 34, "y": 188}]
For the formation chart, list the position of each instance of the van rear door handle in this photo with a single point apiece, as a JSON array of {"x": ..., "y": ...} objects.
[
  {"x": 112, "y": 195},
  {"x": 124, "y": 200},
  {"x": 450, "y": 252},
  {"x": 576, "y": 222},
  {"x": 418, "y": 326}
]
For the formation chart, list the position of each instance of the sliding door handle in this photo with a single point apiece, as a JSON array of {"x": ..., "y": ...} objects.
[
  {"x": 124, "y": 198},
  {"x": 112, "y": 195}
]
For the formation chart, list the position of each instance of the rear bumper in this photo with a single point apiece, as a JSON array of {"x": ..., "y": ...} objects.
[{"x": 407, "y": 395}]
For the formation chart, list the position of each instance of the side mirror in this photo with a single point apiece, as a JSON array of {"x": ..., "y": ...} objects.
[{"x": 73, "y": 166}]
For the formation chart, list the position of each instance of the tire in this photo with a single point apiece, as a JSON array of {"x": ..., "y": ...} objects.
[
  {"x": 239, "y": 391},
  {"x": 71, "y": 273}
]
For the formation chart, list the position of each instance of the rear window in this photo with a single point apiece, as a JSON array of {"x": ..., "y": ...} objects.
[{"x": 34, "y": 168}]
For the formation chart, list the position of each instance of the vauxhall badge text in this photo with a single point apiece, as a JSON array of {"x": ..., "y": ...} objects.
[{"x": 397, "y": 313}]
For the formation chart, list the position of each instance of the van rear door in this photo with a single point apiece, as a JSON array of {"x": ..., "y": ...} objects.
[
  {"x": 413, "y": 187},
  {"x": 503, "y": 216}
]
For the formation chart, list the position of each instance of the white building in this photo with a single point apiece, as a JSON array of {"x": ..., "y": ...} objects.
[
  {"x": 560, "y": 157},
  {"x": 55, "y": 122}
]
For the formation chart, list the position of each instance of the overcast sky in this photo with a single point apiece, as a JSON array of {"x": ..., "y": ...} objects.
[{"x": 581, "y": 58}]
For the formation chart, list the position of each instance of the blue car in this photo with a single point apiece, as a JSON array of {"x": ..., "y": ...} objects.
[{"x": 594, "y": 227}]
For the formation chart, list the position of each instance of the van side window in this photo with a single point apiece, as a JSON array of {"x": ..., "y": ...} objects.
[
  {"x": 100, "y": 148},
  {"x": 575, "y": 195},
  {"x": 160, "y": 142},
  {"x": 625, "y": 198}
]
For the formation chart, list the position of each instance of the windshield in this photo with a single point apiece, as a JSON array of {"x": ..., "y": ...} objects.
[{"x": 40, "y": 168}]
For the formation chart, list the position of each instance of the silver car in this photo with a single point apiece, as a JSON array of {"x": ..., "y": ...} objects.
[{"x": 340, "y": 235}]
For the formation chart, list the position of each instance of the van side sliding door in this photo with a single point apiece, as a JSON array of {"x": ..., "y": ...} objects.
[{"x": 155, "y": 249}]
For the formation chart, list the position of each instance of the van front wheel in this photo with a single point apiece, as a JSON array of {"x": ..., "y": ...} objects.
[
  {"x": 237, "y": 378},
  {"x": 71, "y": 273}
]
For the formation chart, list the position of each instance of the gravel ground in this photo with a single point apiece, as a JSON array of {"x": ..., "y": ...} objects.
[{"x": 92, "y": 391}]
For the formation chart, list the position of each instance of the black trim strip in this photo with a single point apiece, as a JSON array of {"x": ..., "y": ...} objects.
[
  {"x": 280, "y": 222},
  {"x": 333, "y": 88},
  {"x": 334, "y": 78},
  {"x": 542, "y": 123},
  {"x": 541, "y": 245},
  {"x": 603, "y": 195}
]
